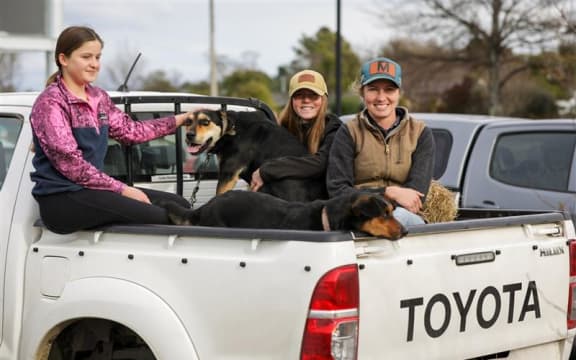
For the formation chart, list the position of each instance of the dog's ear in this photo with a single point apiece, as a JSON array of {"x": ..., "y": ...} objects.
[
  {"x": 374, "y": 215},
  {"x": 369, "y": 206},
  {"x": 228, "y": 122}
]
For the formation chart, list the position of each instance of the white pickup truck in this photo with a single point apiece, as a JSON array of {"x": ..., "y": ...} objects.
[{"x": 491, "y": 284}]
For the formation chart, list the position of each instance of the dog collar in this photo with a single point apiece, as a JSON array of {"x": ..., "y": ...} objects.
[{"x": 325, "y": 221}]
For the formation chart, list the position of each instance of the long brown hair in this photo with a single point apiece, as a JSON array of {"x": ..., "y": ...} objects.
[
  {"x": 69, "y": 40},
  {"x": 291, "y": 121}
]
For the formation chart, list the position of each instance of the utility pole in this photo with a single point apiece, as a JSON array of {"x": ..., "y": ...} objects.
[
  {"x": 53, "y": 20},
  {"x": 213, "y": 75},
  {"x": 338, "y": 60}
]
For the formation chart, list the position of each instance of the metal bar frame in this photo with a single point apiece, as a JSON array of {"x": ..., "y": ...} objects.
[{"x": 178, "y": 100}]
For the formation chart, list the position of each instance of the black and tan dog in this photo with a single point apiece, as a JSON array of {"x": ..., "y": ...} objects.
[
  {"x": 244, "y": 140},
  {"x": 367, "y": 212}
]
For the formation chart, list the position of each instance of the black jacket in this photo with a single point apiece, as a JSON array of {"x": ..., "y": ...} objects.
[{"x": 308, "y": 166}]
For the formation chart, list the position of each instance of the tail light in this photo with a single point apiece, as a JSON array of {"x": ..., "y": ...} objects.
[
  {"x": 331, "y": 331},
  {"x": 572, "y": 287}
]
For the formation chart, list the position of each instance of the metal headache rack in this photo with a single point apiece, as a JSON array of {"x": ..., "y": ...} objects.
[{"x": 177, "y": 101}]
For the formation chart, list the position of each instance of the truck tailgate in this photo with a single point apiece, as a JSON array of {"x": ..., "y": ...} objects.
[{"x": 462, "y": 293}]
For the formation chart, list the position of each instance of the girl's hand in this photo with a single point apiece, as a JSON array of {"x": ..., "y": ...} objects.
[
  {"x": 181, "y": 118},
  {"x": 256, "y": 182},
  {"x": 136, "y": 194}
]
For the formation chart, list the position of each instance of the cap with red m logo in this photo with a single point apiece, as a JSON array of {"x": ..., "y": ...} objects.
[{"x": 381, "y": 68}]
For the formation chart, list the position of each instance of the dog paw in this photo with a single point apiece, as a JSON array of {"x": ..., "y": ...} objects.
[{"x": 176, "y": 212}]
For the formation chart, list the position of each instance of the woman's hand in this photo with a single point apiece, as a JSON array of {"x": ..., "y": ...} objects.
[
  {"x": 409, "y": 199},
  {"x": 256, "y": 182},
  {"x": 136, "y": 194}
]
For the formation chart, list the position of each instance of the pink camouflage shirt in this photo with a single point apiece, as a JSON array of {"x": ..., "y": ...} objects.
[{"x": 71, "y": 138}]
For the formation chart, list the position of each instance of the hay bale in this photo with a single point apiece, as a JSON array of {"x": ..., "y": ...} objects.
[{"x": 440, "y": 205}]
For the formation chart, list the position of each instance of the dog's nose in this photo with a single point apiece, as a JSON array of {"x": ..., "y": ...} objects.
[{"x": 190, "y": 135}]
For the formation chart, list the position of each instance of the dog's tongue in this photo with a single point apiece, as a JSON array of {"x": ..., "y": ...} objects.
[{"x": 193, "y": 149}]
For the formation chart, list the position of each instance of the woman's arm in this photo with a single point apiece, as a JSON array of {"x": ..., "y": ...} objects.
[
  {"x": 421, "y": 172},
  {"x": 128, "y": 131},
  {"x": 340, "y": 172},
  {"x": 306, "y": 166}
]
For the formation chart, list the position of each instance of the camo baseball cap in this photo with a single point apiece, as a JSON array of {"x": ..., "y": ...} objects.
[
  {"x": 308, "y": 79},
  {"x": 381, "y": 68}
]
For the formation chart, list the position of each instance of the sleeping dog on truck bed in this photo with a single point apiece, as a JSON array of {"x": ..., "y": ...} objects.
[
  {"x": 243, "y": 141},
  {"x": 362, "y": 211}
]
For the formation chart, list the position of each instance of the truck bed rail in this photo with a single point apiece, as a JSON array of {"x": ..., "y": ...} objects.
[{"x": 177, "y": 101}]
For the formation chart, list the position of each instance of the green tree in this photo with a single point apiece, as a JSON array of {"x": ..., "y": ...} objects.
[
  {"x": 249, "y": 83},
  {"x": 201, "y": 87},
  {"x": 529, "y": 99},
  {"x": 318, "y": 53},
  {"x": 158, "y": 81},
  {"x": 565, "y": 74}
]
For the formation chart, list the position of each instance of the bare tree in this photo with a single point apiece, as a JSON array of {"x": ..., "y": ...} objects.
[
  {"x": 491, "y": 28},
  {"x": 116, "y": 69},
  {"x": 568, "y": 15}
]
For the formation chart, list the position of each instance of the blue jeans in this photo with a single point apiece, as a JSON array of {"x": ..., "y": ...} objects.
[{"x": 406, "y": 217}]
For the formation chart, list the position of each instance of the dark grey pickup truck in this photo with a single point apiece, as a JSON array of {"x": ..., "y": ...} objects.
[{"x": 505, "y": 163}]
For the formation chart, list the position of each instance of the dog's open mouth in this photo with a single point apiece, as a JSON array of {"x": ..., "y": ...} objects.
[{"x": 195, "y": 149}]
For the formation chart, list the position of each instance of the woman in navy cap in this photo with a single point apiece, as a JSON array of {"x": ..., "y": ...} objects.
[
  {"x": 383, "y": 147},
  {"x": 306, "y": 117}
]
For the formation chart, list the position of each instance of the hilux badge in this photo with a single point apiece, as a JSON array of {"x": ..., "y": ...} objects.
[{"x": 558, "y": 250}]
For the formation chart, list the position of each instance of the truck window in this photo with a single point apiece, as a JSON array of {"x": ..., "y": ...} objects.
[
  {"x": 443, "y": 142},
  {"x": 10, "y": 127},
  {"x": 534, "y": 160},
  {"x": 154, "y": 160}
]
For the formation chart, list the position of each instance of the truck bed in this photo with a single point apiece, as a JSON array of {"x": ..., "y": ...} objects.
[{"x": 417, "y": 300}]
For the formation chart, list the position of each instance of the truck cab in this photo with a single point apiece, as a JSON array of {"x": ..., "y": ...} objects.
[{"x": 506, "y": 163}]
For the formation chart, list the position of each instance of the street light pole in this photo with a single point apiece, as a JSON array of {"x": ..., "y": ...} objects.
[
  {"x": 213, "y": 75},
  {"x": 338, "y": 60}
]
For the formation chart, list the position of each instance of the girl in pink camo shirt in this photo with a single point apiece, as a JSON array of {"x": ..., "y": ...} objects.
[{"x": 71, "y": 121}]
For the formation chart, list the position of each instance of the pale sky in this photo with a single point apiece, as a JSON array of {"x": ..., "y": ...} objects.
[{"x": 173, "y": 35}]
